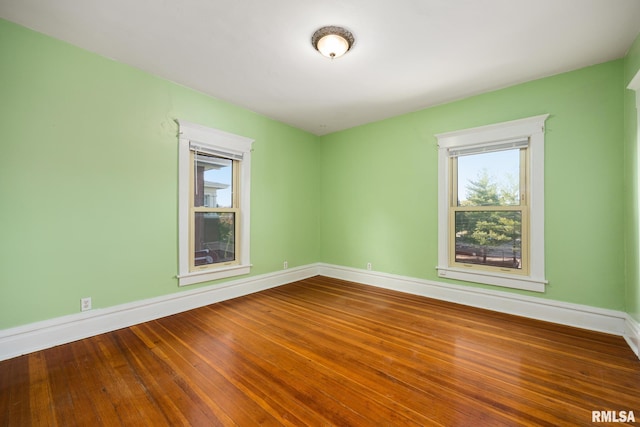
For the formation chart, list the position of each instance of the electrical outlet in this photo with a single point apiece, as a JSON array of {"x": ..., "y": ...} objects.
[
  {"x": 368, "y": 266},
  {"x": 85, "y": 304},
  {"x": 285, "y": 265}
]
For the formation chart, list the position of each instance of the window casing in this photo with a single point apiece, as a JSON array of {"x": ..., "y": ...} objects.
[
  {"x": 491, "y": 204},
  {"x": 214, "y": 195}
]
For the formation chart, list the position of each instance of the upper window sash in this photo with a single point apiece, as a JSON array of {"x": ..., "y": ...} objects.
[{"x": 455, "y": 169}]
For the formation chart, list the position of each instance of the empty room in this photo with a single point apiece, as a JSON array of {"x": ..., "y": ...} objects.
[{"x": 340, "y": 213}]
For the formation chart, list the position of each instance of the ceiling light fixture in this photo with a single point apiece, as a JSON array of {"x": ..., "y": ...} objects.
[{"x": 332, "y": 41}]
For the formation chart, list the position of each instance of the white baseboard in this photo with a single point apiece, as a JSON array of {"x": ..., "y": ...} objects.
[
  {"x": 49, "y": 333},
  {"x": 581, "y": 316},
  {"x": 632, "y": 334}
]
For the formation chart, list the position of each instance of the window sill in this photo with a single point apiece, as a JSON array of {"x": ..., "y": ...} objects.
[
  {"x": 209, "y": 275},
  {"x": 495, "y": 279}
]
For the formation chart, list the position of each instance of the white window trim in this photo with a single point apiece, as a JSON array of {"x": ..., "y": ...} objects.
[
  {"x": 216, "y": 140},
  {"x": 634, "y": 85},
  {"x": 532, "y": 128}
]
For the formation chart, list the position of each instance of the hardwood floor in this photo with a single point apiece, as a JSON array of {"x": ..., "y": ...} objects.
[{"x": 326, "y": 352}]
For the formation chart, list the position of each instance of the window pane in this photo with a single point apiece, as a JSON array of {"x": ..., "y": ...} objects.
[
  {"x": 214, "y": 237},
  {"x": 489, "y": 179},
  {"x": 213, "y": 181},
  {"x": 489, "y": 238}
]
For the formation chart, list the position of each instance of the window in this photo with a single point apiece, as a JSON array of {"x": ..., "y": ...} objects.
[
  {"x": 214, "y": 184},
  {"x": 214, "y": 226},
  {"x": 491, "y": 204}
]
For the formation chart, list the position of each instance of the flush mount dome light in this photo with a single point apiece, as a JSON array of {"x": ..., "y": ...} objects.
[{"x": 332, "y": 41}]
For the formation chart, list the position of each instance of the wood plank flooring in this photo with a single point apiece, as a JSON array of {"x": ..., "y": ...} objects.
[{"x": 326, "y": 352}]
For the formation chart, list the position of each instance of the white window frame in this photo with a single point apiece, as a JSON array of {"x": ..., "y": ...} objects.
[
  {"x": 634, "y": 85},
  {"x": 531, "y": 128},
  {"x": 222, "y": 142}
]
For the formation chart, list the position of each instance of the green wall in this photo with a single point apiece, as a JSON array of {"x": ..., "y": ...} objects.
[
  {"x": 88, "y": 179},
  {"x": 379, "y": 184},
  {"x": 632, "y": 205}
]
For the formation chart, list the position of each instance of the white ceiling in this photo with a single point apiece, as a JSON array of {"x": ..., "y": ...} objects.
[{"x": 408, "y": 54}]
